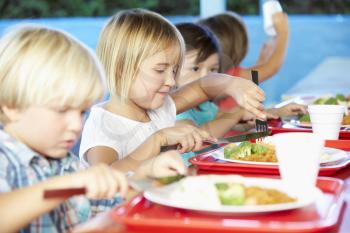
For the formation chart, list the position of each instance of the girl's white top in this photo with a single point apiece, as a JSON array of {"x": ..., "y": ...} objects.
[{"x": 103, "y": 128}]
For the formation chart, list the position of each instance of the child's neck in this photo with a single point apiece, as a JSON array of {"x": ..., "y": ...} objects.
[{"x": 128, "y": 109}]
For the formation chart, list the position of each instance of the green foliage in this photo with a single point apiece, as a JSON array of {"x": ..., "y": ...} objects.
[{"x": 69, "y": 8}]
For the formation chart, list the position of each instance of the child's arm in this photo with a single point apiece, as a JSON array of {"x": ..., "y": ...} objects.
[
  {"x": 166, "y": 164},
  {"x": 288, "y": 110},
  {"x": 273, "y": 63},
  {"x": 246, "y": 93},
  {"x": 20, "y": 207},
  {"x": 187, "y": 136},
  {"x": 224, "y": 122}
]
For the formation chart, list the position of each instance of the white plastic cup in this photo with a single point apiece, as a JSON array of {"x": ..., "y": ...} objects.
[
  {"x": 298, "y": 157},
  {"x": 270, "y": 7},
  {"x": 326, "y": 120}
]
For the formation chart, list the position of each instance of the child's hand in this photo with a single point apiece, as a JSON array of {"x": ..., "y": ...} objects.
[
  {"x": 188, "y": 136},
  {"x": 101, "y": 182},
  {"x": 166, "y": 164},
  {"x": 248, "y": 95},
  {"x": 289, "y": 110},
  {"x": 280, "y": 21}
]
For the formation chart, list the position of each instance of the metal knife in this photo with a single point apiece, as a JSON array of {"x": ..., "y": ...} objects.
[
  {"x": 236, "y": 138},
  {"x": 240, "y": 137}
]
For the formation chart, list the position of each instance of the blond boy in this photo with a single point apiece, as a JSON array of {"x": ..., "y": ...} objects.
[{"x": 47, "y": 80}]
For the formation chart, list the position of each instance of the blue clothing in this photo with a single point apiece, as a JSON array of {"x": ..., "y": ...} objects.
[
  {"x": 21, "y": 167},
  {"x": 206, "y": 112}
]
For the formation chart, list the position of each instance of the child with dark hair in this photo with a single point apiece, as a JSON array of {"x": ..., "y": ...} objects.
[
  {"x": 202, "y": 57},
  {"x": 233, "y": 38}
]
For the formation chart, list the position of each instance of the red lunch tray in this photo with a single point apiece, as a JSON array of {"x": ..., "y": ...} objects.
[
  {"x": 208, "y": 163},
  {"x": 142, "y": 215},
  {"x": 343, "y": 134}
]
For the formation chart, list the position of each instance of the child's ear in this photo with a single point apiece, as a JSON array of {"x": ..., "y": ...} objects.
[{"x": 13, "y": 114}]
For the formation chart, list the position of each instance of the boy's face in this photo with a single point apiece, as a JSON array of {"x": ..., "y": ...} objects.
[
  {"x": 50, "y": 131},
  {"x": 154, "y": 80},
  {"x": 193, "y": 70}
]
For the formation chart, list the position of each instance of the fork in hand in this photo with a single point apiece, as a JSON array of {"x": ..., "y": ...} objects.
[{"x": 260, "y": 126}]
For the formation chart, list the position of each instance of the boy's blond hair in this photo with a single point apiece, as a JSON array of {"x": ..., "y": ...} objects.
[
  {"x": 232, "y": 34},
  {"x": 130, "y": 37},
  {"x": 41, "y": 66}
]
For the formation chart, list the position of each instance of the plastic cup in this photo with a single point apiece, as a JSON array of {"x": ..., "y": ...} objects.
[
  {"x": 326, "y": 120},
  {"x": 270, "y": 7},
  {"x": 298, "y": 157}
]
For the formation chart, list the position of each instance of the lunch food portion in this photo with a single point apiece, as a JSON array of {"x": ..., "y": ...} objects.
[
  {"x": 228, "y": 190},
  {"x": 239, "y": 194},
  {"x": 265, "y": 152},
  {"x": 338, "y": 99},
  {"x": 247, "y": 151},
  {"x": 306, "y": 119}
]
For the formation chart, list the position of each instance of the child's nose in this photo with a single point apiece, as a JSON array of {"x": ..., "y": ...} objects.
[
  {"x": 170, "y": 80},
  {"x": 204, "y": 72},
  {"x": 75, "y": 121}
]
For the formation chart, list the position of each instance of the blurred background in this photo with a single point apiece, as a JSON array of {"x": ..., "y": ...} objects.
[{"x": 319, "y": 29}]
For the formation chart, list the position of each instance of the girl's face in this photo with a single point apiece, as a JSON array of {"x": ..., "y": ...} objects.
[
  {"x": 154, "y": 80},
  {"x": 50, "y": 131},
  {"x": 193, "y": 70}
]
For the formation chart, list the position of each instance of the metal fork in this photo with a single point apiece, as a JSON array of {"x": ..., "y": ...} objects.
[{"x": 260, "y": 126}]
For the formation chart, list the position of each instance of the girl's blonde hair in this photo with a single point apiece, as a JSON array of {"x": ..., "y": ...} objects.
[
  {"x": 232, "y": 34},
  {"x": 130, "y": 37},
  {"x": 42, "y": 66}
]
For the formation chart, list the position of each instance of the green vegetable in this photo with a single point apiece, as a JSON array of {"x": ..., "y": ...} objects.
[
  {"x": 230, "y": 193},
  {"x": 340, "y": 97},
  {"x": 170, "y": 179},
  {"x": 305, "y": 118},
  {"x": 331, "y": 100},
  {"x": 320, "y": 101},
  {"x": 244, "y": 149},
  {"x": 259, "y": 149},
  {"x": 228, "y": 150}
]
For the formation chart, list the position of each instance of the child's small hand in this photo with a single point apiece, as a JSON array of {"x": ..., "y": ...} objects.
[
  {"x": 101, "y": 181},
  {"x": 248, "y": 95},
  {"x": 280, "y": 21},
  {"x": 289, "y": 110},
  {"x": 166, "y": 164},
  {"x": 188, "y": 136}
]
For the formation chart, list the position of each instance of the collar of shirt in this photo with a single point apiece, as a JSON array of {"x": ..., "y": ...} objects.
[{"x": 23, "y": 153}]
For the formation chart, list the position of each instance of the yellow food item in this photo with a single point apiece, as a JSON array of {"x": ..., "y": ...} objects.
[
  {"x": 346, "y": 120},
  {"x": 240, "y": 194},
  {"x": 265, "y": 196}
]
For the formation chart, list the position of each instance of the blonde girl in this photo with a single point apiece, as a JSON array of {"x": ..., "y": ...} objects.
[{"x": 142, "y": 53}]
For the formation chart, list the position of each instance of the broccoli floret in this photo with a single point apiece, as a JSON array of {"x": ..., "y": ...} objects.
[
  {"x": 332, "y": 101},
  {"x": 259, "y": 149},
  {"x": 242, "y": 150},
  {"x": 230, "y": 193},
  {"x": 170, "y": 179},
  {"x": 320, "y": 101},
  {"x": 305, "y": 118},
  {"x": 221, "y": 186},
  {"x": 228, "y": 150},
  {"x": 340, "y": 97}
]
